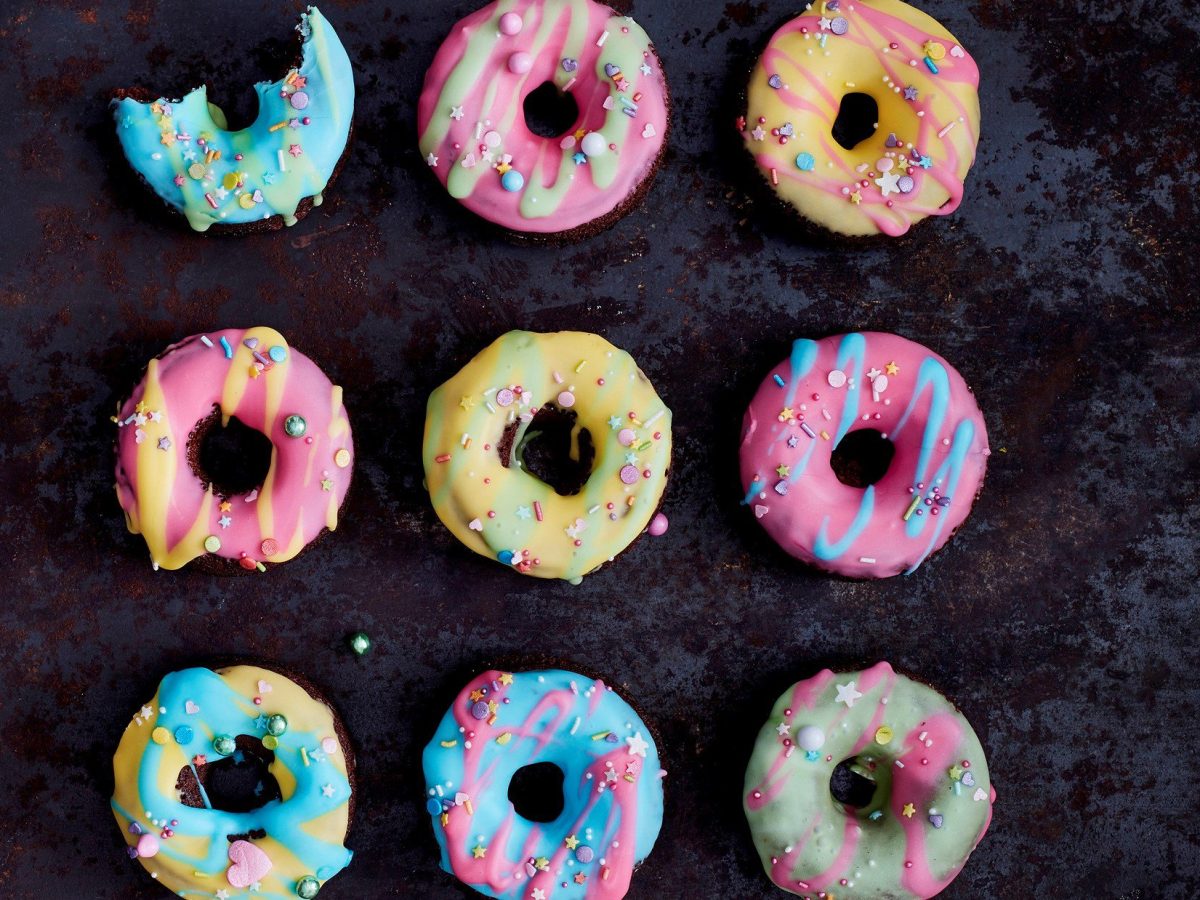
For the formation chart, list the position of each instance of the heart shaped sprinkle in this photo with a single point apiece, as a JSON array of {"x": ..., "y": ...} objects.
[
  {"x": 968, "y": 779},
  {"x": 760, "y": 511},
  {"x": 609, "y": 103},
  {"x": 935, "y": 820},
  {"x": 980, "y": 794},
  {"x": 610, "y": 70},
  {"x": 249, "y": 864},
  {"x": 475, "y": 525},
  {"x": 191, "y": 708},
  {"x": 957, "y": 52},
  {"x": 570, "y": 65},
  {"x": 649, "y": 131},
  {"x": 775, "y": 81}
]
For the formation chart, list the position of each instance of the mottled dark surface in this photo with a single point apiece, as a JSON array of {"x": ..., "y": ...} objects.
[{"x": 1062, "y": 618}]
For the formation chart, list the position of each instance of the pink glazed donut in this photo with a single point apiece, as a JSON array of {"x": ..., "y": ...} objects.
[
  {"x": 182, "y": 511},
  {"x": 919, "y": 422},
  {"x": 472, "y": 123}
]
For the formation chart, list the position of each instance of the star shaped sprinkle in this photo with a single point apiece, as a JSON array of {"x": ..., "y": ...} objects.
[
  {"x": 892, "y": 369},
  {"x": 572, "y": 842},
  {"x": 637, "y": 745},
  {"x": 156, "y": 416},
  {"x": 168, "y": 138},
  {"x": 758, "y": 134},
  {"x": 580, "y": 878},
  {"x": 786, "y": 414},
  {"x": 505, "y": 679},
  {"x": 783, "y": 729},
  {"x": 873, "y": 374},
  {"x": 261, "y": 722},
  {"x": 432, "y": 161},
  {"x": 610, "y": 775},
  {"x": 226, "y": 506},
  {"x": 222, "y": 894},
  {"x": 783, "y": 471},
  {"x": 326, "y": 484},
  {"x": 478, "y": 851},
  {"x": 902, "y": 163},
  {"x": 141, "y": 407},
  {"x": 146, "y": 712},
  {"x": 299, "y": 82},
  {"x": 224, "y": 521},
  {"x": 541, "y": 864},
  {"x": 825, "y": 23},
  {"x": 631, "y": 459},
  {"x": 889, "y": 183},
  {"x": 579, "y": 158},
  {"x": 645, "y": 68},
  {"x": 164, "y": 443},
  {"x": 925, "y": 162},
  {"x": 456, "y": 113},
  {"x": 466, "y": 402},
  {"x": 793, "y": 441},
  {"x": 178, "y": 181},
  {"x": 268, "y": 178},
  {"x": 295, "y": 150},
  {"x": 537, "y": 894},
  {"x": 327, "y": 790},
  {"x": 910, "y": 93},
  {"x": 524, "y": 512},
  {"x": 476, "y": 695},
  {"x": 847, "y": 694},
  {"x": 614, "y": 423},
  {"x": 908, "y": 810},
  {"x": 856, "y": 198}
]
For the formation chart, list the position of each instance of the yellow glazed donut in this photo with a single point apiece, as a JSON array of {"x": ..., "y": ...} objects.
[
  {"x": 548, "y": 452},
  {"x": 824, "y": 77}
]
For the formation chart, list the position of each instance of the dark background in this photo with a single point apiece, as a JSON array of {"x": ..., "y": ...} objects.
[{"x": 1062, "y": 617}]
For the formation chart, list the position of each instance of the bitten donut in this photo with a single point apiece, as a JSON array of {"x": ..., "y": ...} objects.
[
  {"x": 863, "y": 116},
  {"x": 509, "y": 59},
  {"x": 922, "y": 434},
  {"x": 611, "y": 795},
  {"x": 235, "y": 783},
  {"x": 548, "y": 452},
  {"x": 866, "y": 785},
  {"x": 264, "y": 176},
  {"x": 183, "y": 511}
]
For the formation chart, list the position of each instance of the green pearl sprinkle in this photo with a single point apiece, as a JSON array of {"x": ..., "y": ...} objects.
[
  {"x": 276, "y": 725},
  {"x": 270, "y": 741},
  {"x": 295, "y": 426},
  {"x": 224, "y": 744},
  {"x": 360, "y": 643},
  {"x": 307, "y": 887}
]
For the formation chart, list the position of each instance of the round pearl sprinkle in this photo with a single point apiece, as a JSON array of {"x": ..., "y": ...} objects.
[
  {"x": 810, "y": 737},
  {"x": 147, "y": 845},
  {"x": 360, "y": 643},
  {"x": 299, "y": 100},
  {"x": 307, "y": 887},
  {"x": 511, "y": 23},
  {"x": 224, "y": 744},
  {"x": 295, "y": 426},
  {"x": 512, "y": 181},
  {"x": 658, "y": 525},
  {"x": 593, "y": 144},
  {"x": 626, "y": 436},
  {"x": 277, "y": 724},
  {"x": 520, "y": 63},
  {"x": 566, "y": 399}
]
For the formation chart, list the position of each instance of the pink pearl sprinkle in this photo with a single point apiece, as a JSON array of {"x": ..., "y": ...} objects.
[
  {"x": 520, "y": 63},
  {"x": 511, "y": 23},
  {"x": 658, "y": 525}
]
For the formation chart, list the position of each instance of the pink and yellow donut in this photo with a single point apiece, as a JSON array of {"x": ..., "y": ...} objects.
[
  {"x": 897, "y": 60},
  {"x": 207, "y": 379},
  {"x": 917, "y": 414},
  {"x": 475, "y": 138}
]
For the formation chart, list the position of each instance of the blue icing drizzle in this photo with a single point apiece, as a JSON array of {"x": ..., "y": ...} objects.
[
  {"x": 823, "y": 549},
  {"x": 224, "y": 711},
  {"x": 949, "y": 472},
  {"x": 161, "y": 140},
  {"x": 804, "y": 357},
  {"x": 853, "y": 347},
  {"x": 550, "y": 717}
]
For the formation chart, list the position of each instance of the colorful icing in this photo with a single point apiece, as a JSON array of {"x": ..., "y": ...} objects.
[
  {"x": 887, "y": 383},
  {"x": 503, "y": 512},
  {"x": 213, "y": 176},
  {"x": 251, "y": 374},
  {"x": 471, "y": 120},
  {"x": 932, "y": 801},
  {"x": 925, "y": 87},
  {"x": 283, "y": 848},
  {"x": 612, "y": 787}
]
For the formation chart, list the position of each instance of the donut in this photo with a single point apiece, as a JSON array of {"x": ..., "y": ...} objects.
[
  {"x": 235, "y": 780},
  {"x": 548, "y": 452},
  {"x": 572, "y": 69},
  {"x": 187, "y": 513},
  {"x": 866, "y": 785},
  {"x": 597, "y": 814},
  {"x": 863, "y": 117},
  {"x": 261, "y": 177},
  {"x": 906, "y": 410}
]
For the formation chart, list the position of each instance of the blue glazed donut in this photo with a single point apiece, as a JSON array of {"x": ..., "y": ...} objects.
[{"x": 612, "y": 787}]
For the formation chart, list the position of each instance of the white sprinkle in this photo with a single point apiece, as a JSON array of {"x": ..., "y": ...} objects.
[
  {"x": 654, "y": 418},
  {"x": 489, "y": 406},
  {"x": 869, "y": 560},
  {"x": 899, "y": 765},
  {"x": 282, "y": 164},
  {"x": 600, "y": 41},
  {"x": 575, "y": 726},
  {"x": 205, "y": 341},
  {"x": 595, "y": 509}
]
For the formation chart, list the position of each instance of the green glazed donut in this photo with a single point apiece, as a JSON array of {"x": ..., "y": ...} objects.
[{"x": 915, "y": 794}]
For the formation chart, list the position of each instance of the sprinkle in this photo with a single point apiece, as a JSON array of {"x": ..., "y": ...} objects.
[
  {"x": 779, "y": 381},
  {"x": 601, "y": 40},
  {"x": 654, "y": 418},
  {"x": 225, "y": 346},
  {"x": 304, "y": 756},
  {"x": 912, "y": 507},
  {"x": 537, "y": 510},
  {"x": 931, "y": 65},
  {"x": 575, "y": 726},
  {"x": 600, "y": 735},
  {"x": 825, "y": 434},
  {"x": 279, "y": 125},
  {"x": 465, "y": 440},
  {"x": 867, "y": 560},
  {"x": 503, "y": 738},
  {"x": 282, "y": 163},
  {"x": 582, "y": 362},
  {"x": 445, "y": 457},
  {"x": 774, "y": 178},
  {"x": 205, "y": 341},
  {"x": 945, "y": 131},
  {"x": 595, "y": 509},
  {"x": 804, "y": 427}
]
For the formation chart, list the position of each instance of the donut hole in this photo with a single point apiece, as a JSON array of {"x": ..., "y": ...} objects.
[
  {"x": 536, "y": 792},
  {"x": 233, "y": 458},
  {"x": 238, "y": 783},
  {"x": 545, "y": 450},
  {"x": 550, "y": 112},
  {"x": 853, "y": 784},
  {"x": 862, "y": 458},
  {"x": 857, "y": 120}
]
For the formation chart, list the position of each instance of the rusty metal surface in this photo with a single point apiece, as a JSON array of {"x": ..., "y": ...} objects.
[{"x": 1062, "y": 618}]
